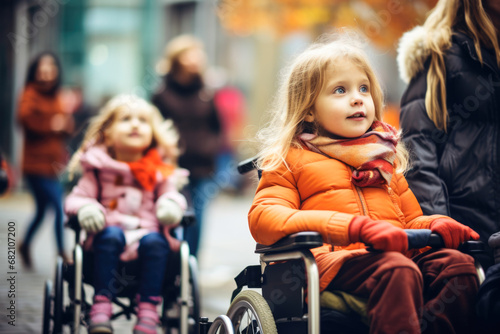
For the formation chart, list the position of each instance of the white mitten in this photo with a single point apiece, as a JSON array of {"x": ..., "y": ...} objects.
[
  {"x": 168, "y": 212},
  {"x": 91, "y": 218}
]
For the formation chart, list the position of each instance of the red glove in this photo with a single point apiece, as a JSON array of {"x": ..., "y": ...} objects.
[
  {"x": 452, "y": 232},
  {"x": 379, "y": 234}
]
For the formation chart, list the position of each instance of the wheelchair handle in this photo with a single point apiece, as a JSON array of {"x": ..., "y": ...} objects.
[
  {"x": 247, "y": 165},
  {"x": 420, "y": 238}
]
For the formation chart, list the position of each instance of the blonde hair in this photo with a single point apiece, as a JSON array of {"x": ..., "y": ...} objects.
[
  {"x": 173, "y": 52},
  {"x": 467, "y": 16},
  {"x": 165, "y": 137},
  {"x": 299, "y": 90}
]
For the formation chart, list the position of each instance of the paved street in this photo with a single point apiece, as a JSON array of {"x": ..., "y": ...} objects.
[{"x": 227, "y": 247}]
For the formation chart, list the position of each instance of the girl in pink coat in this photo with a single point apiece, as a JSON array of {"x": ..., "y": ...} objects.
[{"x": 127, "y": 202}]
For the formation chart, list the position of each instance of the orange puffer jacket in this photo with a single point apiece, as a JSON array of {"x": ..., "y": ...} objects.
[{"x": 317, "y": 194}]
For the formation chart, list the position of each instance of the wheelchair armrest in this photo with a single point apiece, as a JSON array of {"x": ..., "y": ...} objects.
[
  {"x": 73, "y": 223},
  {"x": 187, "y": 219},
  {"x": 473, "y": 247},
  {"x": 296, "y": 241}
]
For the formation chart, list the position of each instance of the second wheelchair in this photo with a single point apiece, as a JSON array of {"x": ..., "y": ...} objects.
[{"x": 66, "y": 305}]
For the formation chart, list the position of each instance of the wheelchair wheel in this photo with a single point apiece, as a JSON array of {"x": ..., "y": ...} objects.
[
  {"x": 250, "y": 314},
  {"x": 58, "y": 296},
  {"x": 47, "y": 305},
  {"x": 221, "y": 325}
]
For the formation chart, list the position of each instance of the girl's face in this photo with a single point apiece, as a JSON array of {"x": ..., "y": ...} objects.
[
  {"x": 47, "y": 70},
  {"x": 344, "y": 107},
  {"x": 130, "y": 134}
]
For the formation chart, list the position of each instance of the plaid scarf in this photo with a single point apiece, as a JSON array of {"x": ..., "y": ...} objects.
[
  {"x": 145, "y": 169},
  {"x": 372, "y": 155}
]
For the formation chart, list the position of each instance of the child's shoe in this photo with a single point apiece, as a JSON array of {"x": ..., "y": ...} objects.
[
  {"x": 100, "y": 316},
  {"x": 147, "y": 317}
]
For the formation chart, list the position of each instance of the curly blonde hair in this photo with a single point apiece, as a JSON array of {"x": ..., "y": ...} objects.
[
  {"x": 467, "y": 16},
  {"x": 165, "y": 137},
  {"x": 303, "y": 81}
]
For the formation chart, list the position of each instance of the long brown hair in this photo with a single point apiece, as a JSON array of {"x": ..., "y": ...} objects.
[{"x": 467, "y": 16}]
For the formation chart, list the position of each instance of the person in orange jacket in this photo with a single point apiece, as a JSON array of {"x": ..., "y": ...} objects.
[
  {"x": 329, "y": 164},
  {"x": 46, "y": 127}
]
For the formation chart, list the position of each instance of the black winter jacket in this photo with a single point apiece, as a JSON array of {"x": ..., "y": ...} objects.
[
  {"x": 193, "y": 112},
  {"x": 454, "y": 173}
]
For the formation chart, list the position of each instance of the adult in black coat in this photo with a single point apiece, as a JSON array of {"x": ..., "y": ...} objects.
[
  {"x": 184, "y": 98},
  {"x": 450, "y": 113}
]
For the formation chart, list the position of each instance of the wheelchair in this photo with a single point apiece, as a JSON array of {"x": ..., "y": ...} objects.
[
  {"x": 287, "y": 270},
  {"x": 180, "y": 310}
]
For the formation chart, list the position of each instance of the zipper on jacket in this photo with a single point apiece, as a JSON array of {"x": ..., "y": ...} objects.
[
  {"x": 399, "y": 212},
  {"x": 362, "y": 200}
]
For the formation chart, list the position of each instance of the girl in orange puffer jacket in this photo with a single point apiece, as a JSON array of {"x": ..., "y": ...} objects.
[{"x": 331, "y": 165}]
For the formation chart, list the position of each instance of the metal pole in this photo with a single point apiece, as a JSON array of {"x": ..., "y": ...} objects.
[{"x": 184, "y": 254}]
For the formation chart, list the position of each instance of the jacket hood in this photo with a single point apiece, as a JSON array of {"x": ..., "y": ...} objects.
[
  {"x": 412, "y": 53},
  {"x": 98, "y": 157}
]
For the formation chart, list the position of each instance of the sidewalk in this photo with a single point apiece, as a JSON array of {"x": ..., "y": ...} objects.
[{"x": 226, "y": 248}]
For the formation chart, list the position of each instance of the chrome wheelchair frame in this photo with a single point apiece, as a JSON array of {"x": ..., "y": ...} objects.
[
  {"x": 181, "y": 302},
  {"x": 282, "y": 307}
]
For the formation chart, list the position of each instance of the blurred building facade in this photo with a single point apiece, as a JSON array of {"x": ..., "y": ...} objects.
[
  {"x": 112, "y": 46},
  {"x": 106, "y": 46}
]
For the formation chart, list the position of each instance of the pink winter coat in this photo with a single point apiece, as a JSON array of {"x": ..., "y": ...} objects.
[{"x": 122, "y": 199}]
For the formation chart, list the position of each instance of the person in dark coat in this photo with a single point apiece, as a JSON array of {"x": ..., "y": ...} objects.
[
  {"x": 488, "y": 301},
  {"x": 184, "y": 98},
  {"x": 46, "y": 127},
  {"x": 450, "y": 113},
  {"x": 450, "y": 118}
]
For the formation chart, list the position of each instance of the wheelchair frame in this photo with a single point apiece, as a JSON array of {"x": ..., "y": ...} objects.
[
  {"x": 290, "y": 248},
  {"x": 56, "y": 315},
  {"x": 295, "y": 247}
]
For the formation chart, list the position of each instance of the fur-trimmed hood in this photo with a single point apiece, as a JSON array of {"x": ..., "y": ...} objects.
[{"x": 412, "y": 53}]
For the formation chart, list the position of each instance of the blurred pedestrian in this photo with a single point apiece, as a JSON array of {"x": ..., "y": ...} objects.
[
  {"x": 184, "y": 98},
  {"x": 127, "y": 202},
  {"x": 450, "y": 112},
  {"x": 5, "y": 175},
  {"x": 230, "y": 103},
  {"x": 46, "y": 127}
]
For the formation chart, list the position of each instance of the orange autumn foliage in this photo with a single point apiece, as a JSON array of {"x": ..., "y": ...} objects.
[{"x": 382, "y": 21}]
